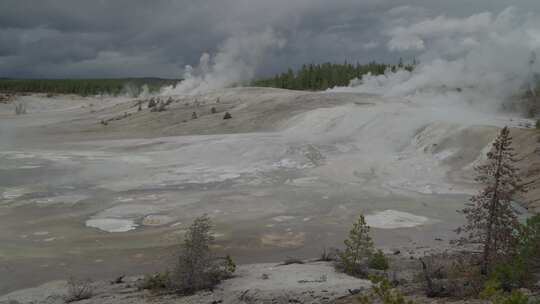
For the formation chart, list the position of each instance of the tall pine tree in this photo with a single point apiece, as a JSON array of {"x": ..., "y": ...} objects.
[{"x": 491, "y": 220}]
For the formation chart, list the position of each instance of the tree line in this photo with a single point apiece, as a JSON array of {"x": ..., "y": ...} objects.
[
  {"x": 316, "y": 77},
  {"x": 85, "y": 87}
]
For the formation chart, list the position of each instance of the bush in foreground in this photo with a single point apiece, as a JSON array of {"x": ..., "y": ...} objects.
[
  {"x": 197, "y": 267},
  {"x": 358, "y": 248}
]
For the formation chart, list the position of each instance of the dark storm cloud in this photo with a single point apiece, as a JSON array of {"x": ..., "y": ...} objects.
[{"x": 114, "y": 38}]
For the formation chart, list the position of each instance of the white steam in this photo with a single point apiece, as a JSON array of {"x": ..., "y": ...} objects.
[
  {"x": 483, "y": 59},
  {"x": 235, "y": 62}
]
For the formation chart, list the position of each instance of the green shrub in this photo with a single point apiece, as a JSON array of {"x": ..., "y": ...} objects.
[
  {"x": 197, "y": 267},
  {"x": 515, "y": 297},
  {"x": 229, "y": 265},
  {"x": 492, "y": 290},
  {"x": 510, "y": 275},
  {"x": 358, "y": 247},
  {"x": 518, "y": 271},
  {"x": 493, "y": 293},
  {"x": 538, "y": 124},
  {"x": 378, "y": 261},
  {"x": 529, "y": 243}
]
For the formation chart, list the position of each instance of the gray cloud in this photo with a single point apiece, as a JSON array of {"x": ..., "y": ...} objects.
[{"x": 106, "y": 38}]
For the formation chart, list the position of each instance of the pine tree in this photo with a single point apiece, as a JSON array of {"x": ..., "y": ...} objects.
[
  {"x": 358, "y": 246},
  {"x": 197, "y": 267},
  {"x": 491, "y": 220}
]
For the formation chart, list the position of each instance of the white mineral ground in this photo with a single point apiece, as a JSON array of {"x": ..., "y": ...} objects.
[{"x": 286, "y": 176}]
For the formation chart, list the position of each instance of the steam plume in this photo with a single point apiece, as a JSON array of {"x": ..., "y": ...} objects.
[
  {"x": 235, "y": 62},
  {"x": 480, "y": 59}
]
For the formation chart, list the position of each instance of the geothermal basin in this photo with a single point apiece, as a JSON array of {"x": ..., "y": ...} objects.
[{"x": 285, "y": 177}]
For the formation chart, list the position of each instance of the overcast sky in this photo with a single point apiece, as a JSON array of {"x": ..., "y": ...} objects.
[{"x": 120, "y": 38}]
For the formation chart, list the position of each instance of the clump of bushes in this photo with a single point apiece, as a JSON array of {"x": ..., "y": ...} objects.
[
  {"x": 538, "y": 124},
  {"x": 227, "y": 115},
  {"x": 493, "y": 292}
]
